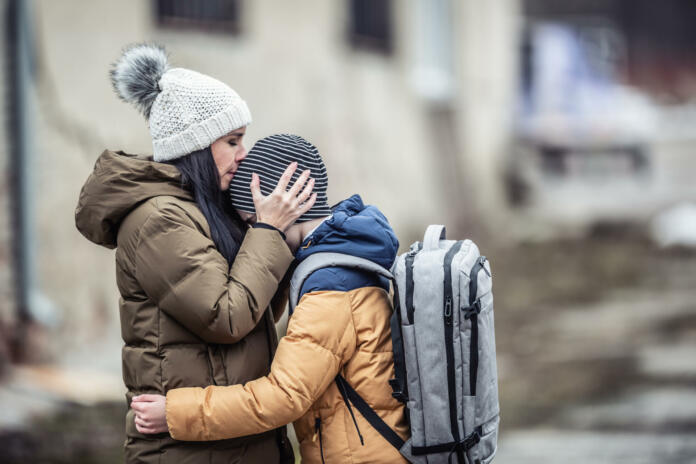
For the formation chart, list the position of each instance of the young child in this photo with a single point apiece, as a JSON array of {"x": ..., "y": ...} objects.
[{"x": 340, "y": 326}]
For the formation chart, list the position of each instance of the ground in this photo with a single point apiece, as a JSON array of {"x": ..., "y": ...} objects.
[{"x": 596, "y": 340}]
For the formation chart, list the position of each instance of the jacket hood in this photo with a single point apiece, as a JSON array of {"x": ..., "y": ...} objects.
[
  {"x": 354, "y": 229},
  {"x": 118, "y": 184}
]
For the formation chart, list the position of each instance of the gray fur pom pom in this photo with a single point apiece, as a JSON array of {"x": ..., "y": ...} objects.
[{"x": 135, "y": 75}]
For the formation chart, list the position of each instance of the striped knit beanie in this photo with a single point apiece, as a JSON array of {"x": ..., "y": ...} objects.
[{"x": 269, "y": 157}]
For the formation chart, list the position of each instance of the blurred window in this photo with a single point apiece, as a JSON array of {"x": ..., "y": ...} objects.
[
  {"x": 371, "y": 25},
  {"x": 216, "y": 15}
]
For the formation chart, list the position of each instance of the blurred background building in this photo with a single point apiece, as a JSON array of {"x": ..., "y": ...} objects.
[{"x": 558, "y": 135}]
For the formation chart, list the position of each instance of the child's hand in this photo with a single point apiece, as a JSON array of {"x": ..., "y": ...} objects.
[{"x": 150, "y": 414}]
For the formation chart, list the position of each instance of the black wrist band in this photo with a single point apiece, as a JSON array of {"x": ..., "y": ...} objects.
[{"x": 263, "y": 225}]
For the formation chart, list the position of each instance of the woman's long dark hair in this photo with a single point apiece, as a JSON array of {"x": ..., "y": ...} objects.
[{"x": 199, "y": 175}]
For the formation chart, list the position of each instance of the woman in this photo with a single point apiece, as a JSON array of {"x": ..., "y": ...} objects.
[
  {"x": 340, "y": 326},
  {"x": 194, "y": 282}
]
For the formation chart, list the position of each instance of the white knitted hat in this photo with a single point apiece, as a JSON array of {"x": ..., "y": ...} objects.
[{"x": 187, "y": 110}]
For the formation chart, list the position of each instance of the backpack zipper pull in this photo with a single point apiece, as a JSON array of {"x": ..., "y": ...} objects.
[
  {"x": 448, "y": 311},
  {"x": 482, "y": 260}
]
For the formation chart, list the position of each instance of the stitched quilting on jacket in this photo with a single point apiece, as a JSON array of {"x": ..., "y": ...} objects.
[
  {"x": 187, "y": 318},
  {"x": 340, "y": 325}
]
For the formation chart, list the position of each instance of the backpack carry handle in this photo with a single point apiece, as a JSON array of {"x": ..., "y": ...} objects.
[{"x": 433, "y": 234}]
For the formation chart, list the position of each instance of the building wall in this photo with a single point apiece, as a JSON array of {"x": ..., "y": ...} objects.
[
  {"x": 294, "y": 66},
  {"x": 487, "y": 74},
  {"x": 7, "y": 305}
]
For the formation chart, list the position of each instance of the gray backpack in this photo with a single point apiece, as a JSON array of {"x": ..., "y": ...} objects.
[{"x": 443, "y": 340}]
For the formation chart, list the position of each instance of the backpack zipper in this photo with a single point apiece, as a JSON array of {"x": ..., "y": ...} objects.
[
  {"x": 474, "y": 308},
  {"x": 410, "y": 257},
  {"x": 449, "y": 343},
  {"x": 408, "y": 264}
]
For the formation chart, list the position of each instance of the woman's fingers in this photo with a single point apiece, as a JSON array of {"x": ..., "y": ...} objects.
[
  {"x": 282, "y": 207},
  {"x": 307, "y": 205},
  {"x": 299, "y": 183},
  {"x": 306, "y": 192},
  {"x": 255, "y": 187},
  {"x": 282, "y": 185}
]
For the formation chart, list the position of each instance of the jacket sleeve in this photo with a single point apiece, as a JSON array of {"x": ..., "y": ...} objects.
[
  {"x": 321, "y": 336},
  {"x": 180, "y": 269},
  {"x": 279, "y": 301}
]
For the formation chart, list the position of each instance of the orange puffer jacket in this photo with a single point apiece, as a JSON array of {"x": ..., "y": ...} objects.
[{"x": 330, "y": 332}]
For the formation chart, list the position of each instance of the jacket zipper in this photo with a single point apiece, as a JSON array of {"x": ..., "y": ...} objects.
[
  {"x": 221, "y": 354},
  {"x": 317, "y": 431},
  {"x": 211, "y": 370},
  {"x": 272, "y": 342}
]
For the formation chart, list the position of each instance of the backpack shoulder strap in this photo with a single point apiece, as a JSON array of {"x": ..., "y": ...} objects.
[
  {"x": 321, "y": 260},
  {"x": 350, "y": 396}
]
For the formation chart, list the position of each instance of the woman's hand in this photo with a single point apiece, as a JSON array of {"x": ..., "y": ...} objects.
[
  {"x": 282, "y": 207},
  {"x": 150, "y": 414}
]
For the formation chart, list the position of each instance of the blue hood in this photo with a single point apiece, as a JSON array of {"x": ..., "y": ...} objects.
[{"x": 354, "y": 229}]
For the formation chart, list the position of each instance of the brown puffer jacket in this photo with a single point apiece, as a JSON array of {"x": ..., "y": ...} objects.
[{"x": 187, "y": 318}]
